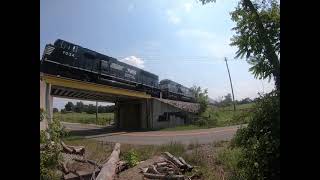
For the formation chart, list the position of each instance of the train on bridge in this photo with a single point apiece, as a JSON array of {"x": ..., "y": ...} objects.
[{"x": 69, "y": 60}]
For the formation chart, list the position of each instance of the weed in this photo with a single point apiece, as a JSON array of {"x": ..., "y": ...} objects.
[{"x": 132, "y": 158}]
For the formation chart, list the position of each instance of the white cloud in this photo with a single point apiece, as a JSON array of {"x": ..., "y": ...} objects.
[
  {"x": 134, "y": 61},
  {"x": 172, "y": 17},
  {"x": 187, "y": 7}
]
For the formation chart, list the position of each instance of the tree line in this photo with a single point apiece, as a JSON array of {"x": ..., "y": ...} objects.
[
  {"x": 227, "y": 101},
  {"x": 80, "y": 107}
]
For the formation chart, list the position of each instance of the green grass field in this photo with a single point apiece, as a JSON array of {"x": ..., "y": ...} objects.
[
  {"x": 103, "y": 118},
  {"x": 219, "y": 117},
  {"x": 226, "y": 116},
  {"x": 213, "y": 117}
]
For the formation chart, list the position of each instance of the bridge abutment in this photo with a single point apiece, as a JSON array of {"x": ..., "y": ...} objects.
[{"x": 46, "y": 103}]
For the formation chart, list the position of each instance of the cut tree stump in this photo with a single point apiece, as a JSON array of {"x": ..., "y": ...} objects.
[
  {"x": 174, "y": 160},
  {"x": 73, "y": 149},
  {"x": 108, "y": 170},
  {"x": 189, "y": 167}
]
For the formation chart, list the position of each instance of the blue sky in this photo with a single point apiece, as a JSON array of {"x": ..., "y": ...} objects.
[{"x": 182, "y": 40}]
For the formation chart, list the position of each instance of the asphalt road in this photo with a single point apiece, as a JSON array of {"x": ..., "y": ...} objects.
[{"x": 108, "y": 134}]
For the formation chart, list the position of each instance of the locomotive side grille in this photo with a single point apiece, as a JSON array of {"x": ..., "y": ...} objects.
[{"x": 49, "y": 50}]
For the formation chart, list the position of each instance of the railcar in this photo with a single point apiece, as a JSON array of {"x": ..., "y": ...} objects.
[
  {"x": 73, "y": 61},
  {"x": 176, "y": 91}
]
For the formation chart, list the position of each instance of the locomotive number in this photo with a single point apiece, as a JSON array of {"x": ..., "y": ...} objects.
[{"x": 68, "y": 53}]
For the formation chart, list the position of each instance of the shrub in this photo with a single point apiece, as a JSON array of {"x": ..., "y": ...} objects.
[
  {"x": 241, "y": 117},
  {"x": 132, "y": 158},
  {"x": 50, "y": 156},
  {"x": 56, "y": 130},
  {"x": 43, "y": 136},
  {"x": 260, "y": 140},
  {"x": 202, "y": 122},
  {"x": 49, "y": 160},
  {"x": 209, "y": 120}
]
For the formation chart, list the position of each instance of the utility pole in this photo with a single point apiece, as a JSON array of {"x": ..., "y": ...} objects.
[
  {"x": 234, "y": 104},
  {"x": 96, "y": 112}
]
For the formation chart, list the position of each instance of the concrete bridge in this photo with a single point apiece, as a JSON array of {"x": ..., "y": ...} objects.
[{"x": 133, "y": 109}]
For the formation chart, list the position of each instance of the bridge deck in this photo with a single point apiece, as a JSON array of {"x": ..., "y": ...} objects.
[{"x": 62, "y": 87}]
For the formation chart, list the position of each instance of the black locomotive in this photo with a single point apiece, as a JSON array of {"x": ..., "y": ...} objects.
[
  {"x": 176, "y": 91},
  {"x": 73, "y": 61}
]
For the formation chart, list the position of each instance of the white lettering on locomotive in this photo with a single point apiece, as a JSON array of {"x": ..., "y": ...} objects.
[
  {"x": 116, "y": 66},
  {"x": 129, "y": 76},
  {"x": 131, "y": 71},
  {"x": 68, "y": 53}
]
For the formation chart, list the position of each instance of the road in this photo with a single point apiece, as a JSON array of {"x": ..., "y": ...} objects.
[{"x": 107, "y": 134}]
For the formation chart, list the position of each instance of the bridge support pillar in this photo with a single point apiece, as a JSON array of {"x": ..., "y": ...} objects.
[
  {"x": 116, "y": 115},
  {"x": 46, "y": 103}
]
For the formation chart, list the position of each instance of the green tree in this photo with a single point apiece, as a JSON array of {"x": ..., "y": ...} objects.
[
  {"x": 55, "y": 110},
  {"x": 260, "y": 140},
  {"x": 201, "y": 97},
  {"x": 258, "y": 36},
  {"x": 227, "y": 101},
  {"x": 245, "y": 101},
  {"x": 69, "y": 106},
  {"x": 258, "y": 39},
  {"x": 91, "y": 109},
  {"x": 79, "y": 107}
]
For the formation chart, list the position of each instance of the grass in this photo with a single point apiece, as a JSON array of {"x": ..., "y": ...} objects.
[
  {"x": 99, "y": 151},
  {"x": 73, "y": 117},
  {"x": 238, "y": 107},
  {"x": 225, "y": 116},
  {"x": 230, "y": 158},
  {"x": 95, "y": 150},
  {"x": 218, "y": 117}
]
